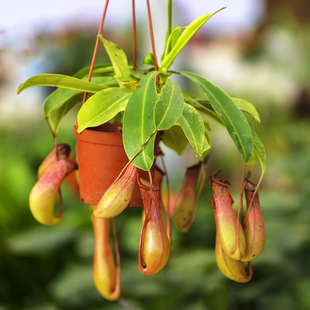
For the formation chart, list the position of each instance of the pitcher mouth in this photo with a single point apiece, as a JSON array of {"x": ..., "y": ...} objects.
[{"x": 146, "y": 185}]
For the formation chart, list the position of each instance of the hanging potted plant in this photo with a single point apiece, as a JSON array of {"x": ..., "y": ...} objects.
[{"x": 126, "y": 111}]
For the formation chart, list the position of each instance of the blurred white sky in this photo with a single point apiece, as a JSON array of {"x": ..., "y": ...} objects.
[{"x": 20, "y": 19}]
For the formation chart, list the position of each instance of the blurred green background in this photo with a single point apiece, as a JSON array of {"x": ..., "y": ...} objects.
[{"x": 51, "y": 267}]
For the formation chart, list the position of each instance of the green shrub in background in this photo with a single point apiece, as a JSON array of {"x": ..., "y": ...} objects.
[{"x": 50, "y": 267}]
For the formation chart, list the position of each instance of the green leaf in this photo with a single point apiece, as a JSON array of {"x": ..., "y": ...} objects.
[
  {"x": 248, "y": 107},
  {"x": 259, "y": 150},
  {"x": 242, "y": 104},
  {"x": 55, "y": 116},
  {"x": 253, "y": 160},
  {"x": 234, "y": 120},
  {"x": 204, "y": 108},
  {"x": 62, "y": 100},
  {"x": 118, "y": 58},
  {"x": 193, "y": 127},
  {"x": 204, "y": 118},
  {"x": 98, "y": 69},
  {"x": 102, "y": 107},
  {"x": 175, "y": 139},
  {"x": 148, "y": 60},
  {"x": 205, "y": 147},
  {"x": 131, "y": 85},
  {"x": 186, "y": 35},
  {"x": 137, "y": 74},
  {"x": 171, "y": 40},
  {"x": 59, "y": 80},
  {"x": 139, "y": 124},
  {"x": 169, "y": 105},
  {"x": 175, "y": 34},
  {"x": 59, "y": 97}
]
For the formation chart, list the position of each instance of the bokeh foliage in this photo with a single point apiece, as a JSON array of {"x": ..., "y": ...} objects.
[{"x": 51, "y": 267}]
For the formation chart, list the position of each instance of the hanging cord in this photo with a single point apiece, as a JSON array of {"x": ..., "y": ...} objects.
[
  {"x": 152, "y": 39},
  {"x": 96, "y": 47},
  {"x": 169, "y": 28}
]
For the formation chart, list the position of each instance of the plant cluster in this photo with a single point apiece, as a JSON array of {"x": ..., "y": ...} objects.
[{"x": 150, "y": 105}]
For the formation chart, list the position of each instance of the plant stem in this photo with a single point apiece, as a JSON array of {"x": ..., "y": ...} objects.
[
  {"x": 134, "y": 36},
  {"x": 169, "y": 27}
]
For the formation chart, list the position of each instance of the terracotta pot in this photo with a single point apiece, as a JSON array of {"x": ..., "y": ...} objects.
[{"x": 101, "y": 157}]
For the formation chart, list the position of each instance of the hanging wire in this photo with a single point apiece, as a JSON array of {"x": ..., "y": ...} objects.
[
  {"x": 152, "y": 38},
  {"x": 96, "y": 47}
]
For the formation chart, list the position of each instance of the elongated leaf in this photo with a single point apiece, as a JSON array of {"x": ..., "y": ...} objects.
[
  {"x": 102, "y": 107},
  {"x": 204, "y": 118},
  {"x": 204, "y": 109},
  {"x": 62, "y": 100},
  {"x": 248, "y": 107},
  {"x": 137, "y": 74},
  {"x": 148, "y": 59},
  {"x": 234, "y": 120},
  {"x": 61, "y": 95},
  {"x": 98, "y": 69},
  {"x": 206, "y": 147},
  {"x": 254, "y": 159},
  {"x": 175, "y": 34},
  {"x": 118, "y": 58},
  {"x": 59, "y": 80},
  {"x": 139, "y": 124},
  {"x": 186, "y": 35},
  {"x": 169, "y": 105},
  {"x": 55, "y": 116},
  {"x": 260, "y": 151},
  {"x": 171, "y": 40},
  {"x": 131, "y": 85},
  {"x": 205, "y": 104},
  {"x": 175, "y": 139},
  {"x": 58, "y": 98},
  {"x": 193, "y": 128},
  {"x": 242, "y": 104}
]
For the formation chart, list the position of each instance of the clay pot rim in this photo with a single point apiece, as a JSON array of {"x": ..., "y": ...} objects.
[{"x": 108, "y": 134}]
